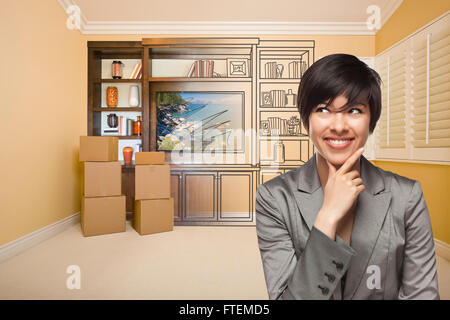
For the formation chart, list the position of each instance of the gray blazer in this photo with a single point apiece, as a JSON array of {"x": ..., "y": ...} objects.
[{"x": 391, "y": 252}]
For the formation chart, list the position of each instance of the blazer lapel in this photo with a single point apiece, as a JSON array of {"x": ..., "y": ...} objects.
[
  {"x": 309, "y": 193},
  {"x": 371, "y": 209}
]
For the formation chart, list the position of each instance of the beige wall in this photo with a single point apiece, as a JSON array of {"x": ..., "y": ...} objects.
[
  {"x": 44, "y": 95},
  {"x": 43, "y": 113},
  {"x": 435, "y": 182}
]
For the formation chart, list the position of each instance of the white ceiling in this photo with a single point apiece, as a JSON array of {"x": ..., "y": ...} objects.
[{"x": 238, "y": 16}]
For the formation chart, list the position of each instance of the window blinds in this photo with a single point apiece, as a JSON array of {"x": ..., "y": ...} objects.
[
  {"x": 415, "y": 117},
  {"x": 430, "y": 76},
  {"x": 392, "y": 123}
]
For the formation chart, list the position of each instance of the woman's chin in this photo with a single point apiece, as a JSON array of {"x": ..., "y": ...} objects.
[
  {"x": 336, "y": 163},
  {"x": 336, "y": 160}
]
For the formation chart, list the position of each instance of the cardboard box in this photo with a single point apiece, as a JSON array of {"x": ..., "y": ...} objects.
[
  {"x": 153, "y": 216},
  {"x": 101, "y": 179},
  {"x": 152, "y": 181},
  {"x": 150, "y": 157},
  {"x": 102, "y": 215},
  {"x": 95, "y": 148}
]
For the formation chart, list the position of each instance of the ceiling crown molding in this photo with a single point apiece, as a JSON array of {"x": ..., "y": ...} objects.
[
  {"x": 224, "y": 27},
  {"x": 229, "y": 27}
]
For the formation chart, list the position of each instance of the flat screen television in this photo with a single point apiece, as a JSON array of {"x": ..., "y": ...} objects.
[{"x": 200, "y": 121}]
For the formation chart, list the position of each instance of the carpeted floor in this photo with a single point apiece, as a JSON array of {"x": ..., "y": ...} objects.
[{"x": 188, "y": 263}]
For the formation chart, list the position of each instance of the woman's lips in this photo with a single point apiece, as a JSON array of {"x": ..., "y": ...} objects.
[{"x": 341, "y": 145}]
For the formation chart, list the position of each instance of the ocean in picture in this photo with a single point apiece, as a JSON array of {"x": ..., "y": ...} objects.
[{"x": 199, "y": 121}]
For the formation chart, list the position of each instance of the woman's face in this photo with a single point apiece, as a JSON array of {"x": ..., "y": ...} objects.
[{"x": 337, "y": 133}]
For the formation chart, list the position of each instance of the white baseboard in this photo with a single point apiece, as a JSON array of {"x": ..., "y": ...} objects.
[
  {"x": 21, "y": 244},
  {"x": 442, "y": 249}
]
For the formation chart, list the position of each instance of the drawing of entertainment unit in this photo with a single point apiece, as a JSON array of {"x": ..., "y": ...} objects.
[{"x": 224, "y": 111}]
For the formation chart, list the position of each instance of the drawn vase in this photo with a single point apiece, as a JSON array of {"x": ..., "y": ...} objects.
[
  {"x": 127, "y": 155},
  {"x": 112, "y": 96},
  {"x": 133, "y": 98},
  {"x": 279, "y": 71},
  {"x": 290, "y": 99}
]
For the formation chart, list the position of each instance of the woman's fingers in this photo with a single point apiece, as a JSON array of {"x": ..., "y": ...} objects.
[
  {"x": 350, "y": 161},
  {"x": 351, "y": 175},
  {"x": 357, "y": 181},
  {"x": 360, "y": 188}
]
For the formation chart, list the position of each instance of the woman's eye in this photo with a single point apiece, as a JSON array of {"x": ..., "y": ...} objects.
[
  {"x": 320, "y": 109},
  {"x": 359, "y": 111}
]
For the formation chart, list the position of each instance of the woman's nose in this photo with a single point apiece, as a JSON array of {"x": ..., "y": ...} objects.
[{"x": 338, "y": 122}]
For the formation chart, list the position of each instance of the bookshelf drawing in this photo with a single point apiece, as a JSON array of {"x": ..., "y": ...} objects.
[{"x": 283, "y": 141}]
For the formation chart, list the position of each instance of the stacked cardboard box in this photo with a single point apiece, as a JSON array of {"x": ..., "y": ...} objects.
[
  {"x": 153, "y": 206},
  {"x": 102, "y": 202}
]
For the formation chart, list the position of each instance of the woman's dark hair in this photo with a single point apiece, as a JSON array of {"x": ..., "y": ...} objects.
[{"x": 339, "y": 74}]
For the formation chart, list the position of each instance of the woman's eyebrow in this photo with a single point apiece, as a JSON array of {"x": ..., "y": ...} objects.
[
  {"x": 345, "y": 107},
  {"x": 354, "y": 104}
]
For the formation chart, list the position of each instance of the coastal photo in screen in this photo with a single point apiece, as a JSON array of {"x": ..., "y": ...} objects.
[{"x": 200, "y": 121}]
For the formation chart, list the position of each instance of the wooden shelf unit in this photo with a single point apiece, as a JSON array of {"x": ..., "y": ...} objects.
[{"x": 115, "y": 50}]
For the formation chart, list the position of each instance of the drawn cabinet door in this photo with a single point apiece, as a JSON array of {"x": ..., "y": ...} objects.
[
  {"x": 200, "y": 193},
  {"x": 268, "y": 174},
  {"x": 235, "y": 201}
]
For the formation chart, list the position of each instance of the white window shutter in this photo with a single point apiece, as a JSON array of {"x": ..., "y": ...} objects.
[
  {"x": 431, "y": 105},
  {"x": 415, "y": 118},
  {"x": 392, "y": 128}
]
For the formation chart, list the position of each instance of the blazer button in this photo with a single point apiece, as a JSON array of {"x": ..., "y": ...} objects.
[
  {"x": 325, "y": 290},
  {"x": 339, "y": 265},
  {"x": 330, "y": 277}
]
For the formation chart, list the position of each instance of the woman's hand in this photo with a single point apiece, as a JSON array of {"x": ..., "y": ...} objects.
[{"x": 340, "y": 194}]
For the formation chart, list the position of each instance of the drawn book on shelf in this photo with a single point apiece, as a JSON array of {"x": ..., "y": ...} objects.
[{"x": 296, "y": 69}]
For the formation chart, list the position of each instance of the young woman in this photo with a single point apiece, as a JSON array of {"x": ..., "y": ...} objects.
[{"x": 339, "y": 227}]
